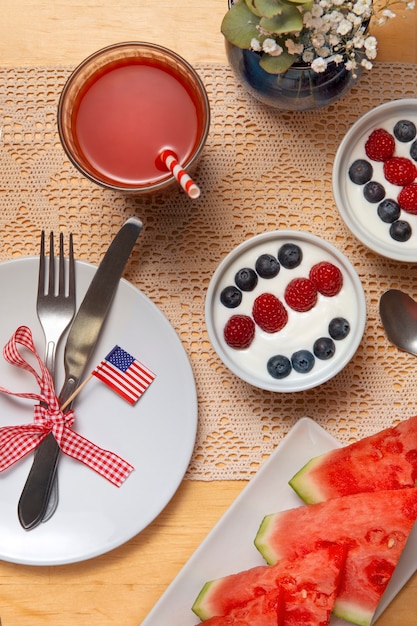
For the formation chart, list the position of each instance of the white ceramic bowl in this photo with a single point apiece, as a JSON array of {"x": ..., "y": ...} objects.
[
  {"x": 302, "y": 329},
  {"x": 360, "y": 216}
]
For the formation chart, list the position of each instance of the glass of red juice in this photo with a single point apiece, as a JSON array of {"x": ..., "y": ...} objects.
[{"x": 122, "y": 106}]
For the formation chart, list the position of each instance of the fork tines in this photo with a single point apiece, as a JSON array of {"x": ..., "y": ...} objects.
[{"x": 64, "y": 287}]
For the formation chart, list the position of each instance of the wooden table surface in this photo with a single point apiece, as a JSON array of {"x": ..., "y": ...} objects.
[{"x": 122, "y": 586}]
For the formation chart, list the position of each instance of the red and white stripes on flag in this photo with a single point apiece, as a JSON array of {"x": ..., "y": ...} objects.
[{"x": 124, "y": 374}]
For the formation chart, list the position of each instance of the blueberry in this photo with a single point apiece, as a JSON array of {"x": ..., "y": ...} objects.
[
  {"x": 400, "y": 230},
  {"x": 231, "y": 297},
  {"x": 279, "y": 366},
  {"x": 374, "y": 191},
  {"x": 246, "y": 279},
  {"x": 413, "y": 150},
  {"x": 389, "y": 210},
  {"x": 267, "y": 266},
  {"x": 290, "y": 255},
  {"x": 405, "y": 130},
  {"x": 360, "y": 172},
  {"x": 324, "y": 348},
  {"x": 339, "y": 328},
  {"x": 302, "y": 361}
]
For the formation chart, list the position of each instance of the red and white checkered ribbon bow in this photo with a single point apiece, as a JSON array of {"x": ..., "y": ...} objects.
[{"x": 17, "y": 441}]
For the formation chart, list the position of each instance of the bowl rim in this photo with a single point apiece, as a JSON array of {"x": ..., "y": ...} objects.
[
  {"x": 169, "y": 179},
  {"x": 340, "y": 164},
  {"x": 286, "y": 385}
]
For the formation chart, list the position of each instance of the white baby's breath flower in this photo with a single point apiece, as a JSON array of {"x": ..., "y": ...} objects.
[
  {"x": 255, "y": 45},
  {"x": 366, "y": 64},
  {"x": 323, "y": 52},
  {"x": 411, "y": 5},
  {"x": 318, "y": 40},
  {"x": 316, "y": 10},
  {"x": 350, "y": 64},
  {"x": 388, "y": 14},
  {"x": 319, "y": 65},
  {"x": 308, "y": 56},
  {"x": 362, "y": 7},
  {"x": 344, "y": 27},
  {"x": 358, "y": 41},
  {"x": 292, "y": 47},
  {"x": 271, "y": 47},
  {"x": 370, "y": 43}
]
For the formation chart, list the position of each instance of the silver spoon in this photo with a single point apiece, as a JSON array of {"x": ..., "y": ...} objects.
[{"x": 398, "y": 313}]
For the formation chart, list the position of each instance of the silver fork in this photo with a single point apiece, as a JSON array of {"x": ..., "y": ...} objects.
[{"x": 55, "y": 306}]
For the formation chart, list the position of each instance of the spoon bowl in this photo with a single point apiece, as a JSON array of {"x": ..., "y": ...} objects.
[{"x": 398, "y": 312}]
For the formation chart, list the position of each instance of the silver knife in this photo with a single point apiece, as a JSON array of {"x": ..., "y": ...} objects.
[{"x": 81, "y": 341}]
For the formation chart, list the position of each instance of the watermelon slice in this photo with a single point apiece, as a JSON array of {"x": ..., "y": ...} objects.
[
  {"x": 309, "y": 585},
  {"x": 265, "y": 610},
  {"x": 386, "y": 460},
  {"x": 375, "y": 527}
]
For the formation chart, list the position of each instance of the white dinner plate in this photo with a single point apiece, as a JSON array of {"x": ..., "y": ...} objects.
[
  {"x": 229, "y": 547},
  {"x": 156, "y": 435}
]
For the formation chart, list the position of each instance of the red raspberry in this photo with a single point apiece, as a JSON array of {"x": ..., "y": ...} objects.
[
  {"x": 301, "y": 294},
  {"x": 269, "y": 313},
  {"x": 407, "y": 198},
  {"x": 239, "y": 331},
  {"x": 327, "y": 277},
  {"x": 380, "y": 145},
  {"x": 400, "y": 171}
]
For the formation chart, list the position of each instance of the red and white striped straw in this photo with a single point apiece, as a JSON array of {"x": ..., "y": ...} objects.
[{"x": 171, "y": 162}]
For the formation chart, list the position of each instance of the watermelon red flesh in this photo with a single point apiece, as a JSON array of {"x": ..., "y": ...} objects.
[
  {"x": 374, "y": 526},
  {"x": 310, "y": 584},
  {"x": 265, "y": 610},
  {"x": 386, "y": 460}
]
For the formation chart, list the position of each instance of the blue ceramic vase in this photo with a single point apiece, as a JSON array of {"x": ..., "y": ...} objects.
[{"x": 297, "y": 89}]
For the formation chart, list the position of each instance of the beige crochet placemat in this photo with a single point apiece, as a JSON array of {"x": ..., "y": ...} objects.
[{"x": 261, "y": 170}]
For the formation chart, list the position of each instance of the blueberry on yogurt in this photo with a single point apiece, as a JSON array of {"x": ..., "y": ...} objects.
[
  {"x": 290, "y": 255},
  {"x": 405, "y": 130},
  {"x": 231, "y": 297},
  {"x": 389, "y": 210},
  {"x": 324, "y": 348},
  {"x": 302, "y": 361},
  {"x": 360, "y": 172},
  {"x": 400, "y": 230},
  {"x": 374, "y": 191},
  {"x": 267, "y": 266},
  {"x": 339, "y": 328},
  {"x": 279, "y": 366},
  {"x": 246, "y": 279}
]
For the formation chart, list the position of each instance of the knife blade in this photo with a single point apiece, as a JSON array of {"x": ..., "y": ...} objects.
[{"x": 81, "y": 341}]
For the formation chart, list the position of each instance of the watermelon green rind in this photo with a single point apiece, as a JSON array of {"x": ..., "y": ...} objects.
[
  {"x": 386, "y": 460},
  {"x": 201, "y": 606},
  {"x": 305, "y": 486},
  {"x": 262, "y": 540},
  {"x": 374, "y": 526}
]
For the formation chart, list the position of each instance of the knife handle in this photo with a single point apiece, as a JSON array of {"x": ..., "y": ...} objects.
[
  {"x": 35, "y": 497},
  {"x": 38, "y": 486}
]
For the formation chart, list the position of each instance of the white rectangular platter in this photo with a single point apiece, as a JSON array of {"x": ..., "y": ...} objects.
[{"x": 229, "y": 547}]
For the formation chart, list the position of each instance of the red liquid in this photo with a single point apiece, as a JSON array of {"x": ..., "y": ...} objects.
[{"x": 127, "y": 115}]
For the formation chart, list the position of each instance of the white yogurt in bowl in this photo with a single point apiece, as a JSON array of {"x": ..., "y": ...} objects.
[
  {"x": 302, "y": 329},
  {"x": 361, "y": 216}
]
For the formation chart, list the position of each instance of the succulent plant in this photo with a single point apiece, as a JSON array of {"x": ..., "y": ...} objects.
[
  {"x": 315, "y": 32},
  {"x": 253, "y": 20}
]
